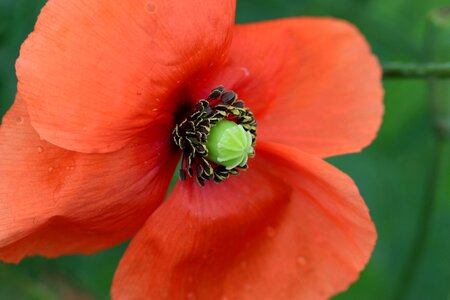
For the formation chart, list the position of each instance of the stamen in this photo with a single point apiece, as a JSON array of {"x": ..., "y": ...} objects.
[{"x": 217, "y": 138}]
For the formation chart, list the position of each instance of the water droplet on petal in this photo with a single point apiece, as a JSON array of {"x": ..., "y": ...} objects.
[
  {"x": 40, "y": 149},
  {"x": 151, "y": 7},
  {"x": 245, "y": 71},
  {"x": 50, "y": 169},
  {"x": 19, "y": 121},
  {"x": 301, "y": 260}
]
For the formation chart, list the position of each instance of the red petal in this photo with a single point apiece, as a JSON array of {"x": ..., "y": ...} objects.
[
  {"x": 311, "y": 82},
  {"x": 55, "y": 202},
  {"x": 292, "y": 227},
  {"x": 94, "y": 73}
]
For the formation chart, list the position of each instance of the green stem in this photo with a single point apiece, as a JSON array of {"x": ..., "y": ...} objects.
[
  {"x": 424, "y": 223},
  {"x": 416, "y": 70},
  {"x": 436, "y": 49}
]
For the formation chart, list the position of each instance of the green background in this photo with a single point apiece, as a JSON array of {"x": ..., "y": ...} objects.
[{"x": 392, "y": 174}]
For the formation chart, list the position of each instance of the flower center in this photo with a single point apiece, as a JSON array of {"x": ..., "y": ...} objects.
[{"x": 217, "y": 138}]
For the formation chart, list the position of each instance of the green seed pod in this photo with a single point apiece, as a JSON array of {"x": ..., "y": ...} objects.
[{"x": 229, "y": 144}]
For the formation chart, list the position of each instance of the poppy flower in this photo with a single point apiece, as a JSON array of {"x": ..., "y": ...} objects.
[{"x": 112, "y": 95}]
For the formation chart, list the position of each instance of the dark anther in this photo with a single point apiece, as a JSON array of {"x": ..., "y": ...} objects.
[
  {"x": 243, "y": 168},
  {"x": 220, "y": 114},
  {"x": 234, "y": 172},
  {"x": 183, "y": 174},
  {"x": 209, "y": 112},
  {"x": 203, "y": 129},
  {"x": 201, "y": 149},
  {"x": 245, "y": 119},
  {"x": 229, "y": 97},
  {"x": 201, "y": 105},
  {"x": 199, "y": 170},
  {"x": 221, "y": 107},
  {"x": 189, "y": 125},
  {"x": 191, "y": 135},
  {"x": 216, "y": 92},
  {"x": 239, "y": 104},
  {"x": 190, "y": 172},
  {"x": 208, "y": 172},
  {"x": 200, "y": 181},
  {"x": 182, "y": 143}
]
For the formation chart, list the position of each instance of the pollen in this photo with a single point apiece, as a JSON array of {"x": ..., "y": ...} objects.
[{"x": 217, "y": 139}]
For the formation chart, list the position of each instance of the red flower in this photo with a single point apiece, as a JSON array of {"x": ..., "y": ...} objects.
[{"x": 86, "y": 151}]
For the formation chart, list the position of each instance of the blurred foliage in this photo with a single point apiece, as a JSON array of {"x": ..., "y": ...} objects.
[
  {"x": 392, "y": 174},
  {"x": 17, "y": 18}
]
